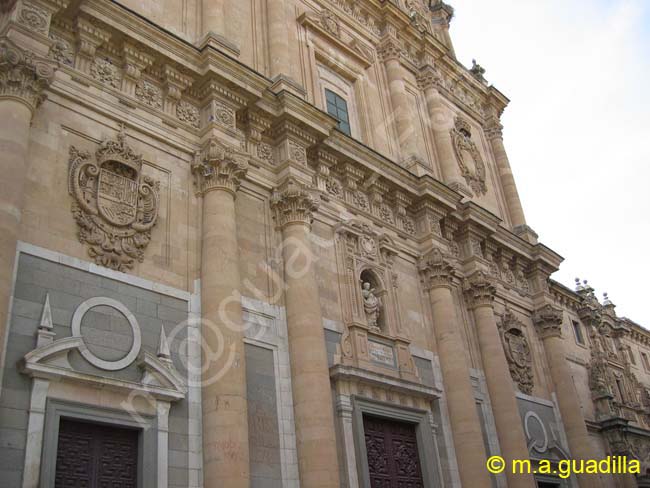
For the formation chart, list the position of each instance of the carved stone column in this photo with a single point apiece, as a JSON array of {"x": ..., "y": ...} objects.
[
  {"x": 390, "y": 53},
  {"x": 480, "y": 293},
  {"x": 312, "y": 397},
  {"x": 218, "y": 171},
  {"x": 494, "y": 133},
  {"x": 438, "y": 276},
  {"x": 548, "y": 321},
  {"x": 23, "y": 79},
  {"x": 442, "y": 123}
]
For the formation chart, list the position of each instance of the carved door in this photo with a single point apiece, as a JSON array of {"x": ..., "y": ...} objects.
[
  {"x": 96, "y": 456},
  {"x": 393, "y": 460}
]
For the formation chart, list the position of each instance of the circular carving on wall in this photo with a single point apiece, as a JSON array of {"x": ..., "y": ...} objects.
[
  {"x": 530, "y": 419},
  {"x": 87, "y": 353}
]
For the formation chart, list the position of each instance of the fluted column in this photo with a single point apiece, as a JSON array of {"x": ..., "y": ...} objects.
[
  {"x": 310, "y": 381},
  {"x": 23, "y": 80},
  {"x": 495, "y": 136},
  {"x": 390, "y": 52},
  {"x": 438, "y": 276},
  {"x": 441, "y": 120},
  {"x": 480, "y": 293},
  {"x": 548, "y": 321},
  {"x": 218, "y": 171}
]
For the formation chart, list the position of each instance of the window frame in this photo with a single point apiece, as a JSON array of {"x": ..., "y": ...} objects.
[
  {"x": 577, "y": 333},
  {"x": 339, "y": 105}
]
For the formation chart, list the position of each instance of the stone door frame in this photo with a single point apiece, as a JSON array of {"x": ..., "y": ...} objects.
[{"x": 425, "y": 435}]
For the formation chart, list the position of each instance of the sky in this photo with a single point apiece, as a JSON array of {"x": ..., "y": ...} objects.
[{"x": 577, "y": 130}]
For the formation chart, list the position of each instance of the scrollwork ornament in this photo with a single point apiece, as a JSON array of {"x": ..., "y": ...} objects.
[
  {"x": 23, "y": 76},
  {"x": 34, "y": 18},
  {"x": 115, "y": 205},
  {"x": 469, "y": 158}
]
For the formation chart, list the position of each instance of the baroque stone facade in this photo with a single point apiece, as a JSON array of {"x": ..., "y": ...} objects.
[{"x": 279, "y": 244}]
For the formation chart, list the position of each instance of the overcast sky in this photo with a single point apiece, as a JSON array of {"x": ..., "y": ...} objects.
[{"x": 577, "y": 129}]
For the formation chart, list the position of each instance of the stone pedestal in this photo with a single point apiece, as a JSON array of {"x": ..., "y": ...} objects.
[
  {"x": 548, "y": 321},
  {"x": 312, "y": 396},
  {"x": 218, "y": 172},
  {"x": 438, "y": 276},
  {"x": 480, "y": 293},
  {"x": 23, "y": 79}
]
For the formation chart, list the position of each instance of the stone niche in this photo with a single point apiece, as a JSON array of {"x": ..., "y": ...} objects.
[{"x": 372, "y": 339}]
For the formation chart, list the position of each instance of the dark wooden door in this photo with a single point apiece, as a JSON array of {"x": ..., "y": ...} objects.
[
  {"x": 96, "y": 456},
  {"x": 393, "y": 460}
]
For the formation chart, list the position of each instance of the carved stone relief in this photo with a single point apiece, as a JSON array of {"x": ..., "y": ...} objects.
[
  {"x": 104, "y": 71},
  {"x": 115, "y": 205},
  {"x": 517, "y": 352},
  {"x": 188, "y": 113},
  {"x": 469, "y": 158},
  {"x": 148, "y": 93}
]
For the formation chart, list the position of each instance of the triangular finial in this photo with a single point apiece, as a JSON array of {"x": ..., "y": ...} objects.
[
  {"x": 163, "y": 346},
  {"x": 46, "y": 316}
]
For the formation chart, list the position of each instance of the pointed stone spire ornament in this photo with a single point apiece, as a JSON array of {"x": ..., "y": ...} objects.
[
  {"x": 163, "y": 347},
  {"x": 45, "y": 334}
]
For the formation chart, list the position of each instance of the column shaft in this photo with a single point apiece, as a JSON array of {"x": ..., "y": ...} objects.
[
  {"x": 502, "y": 395},
  {"x": 15, "y": 118},
  {"x": 312, "y": 396},
  {"x": 508, "y": 181},
  {"x": 465, "y": 423},
  {"x": 390, "y": 52},
  {"x": 441, "y": 124},
  {"x": 278, "y": 38}
]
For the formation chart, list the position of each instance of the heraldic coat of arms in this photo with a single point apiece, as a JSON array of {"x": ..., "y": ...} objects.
[{"x": 115, "y": 206}]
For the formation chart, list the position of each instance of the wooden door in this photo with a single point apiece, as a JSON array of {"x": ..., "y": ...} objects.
[
  {"x": 96, "y": 456},
  {"x": 393, "y": 459}
]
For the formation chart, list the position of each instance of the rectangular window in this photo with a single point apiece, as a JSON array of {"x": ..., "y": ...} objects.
[
  {"x": 337, "y": 107},
  {"x": 578, "y": 332},
  {"x": 646, "y": 364},
  {"x": 631, "y": 353}
]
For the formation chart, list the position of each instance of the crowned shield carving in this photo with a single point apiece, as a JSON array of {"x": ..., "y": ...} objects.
[
  {"x": 115, "y": 205},
  {"x": 517, "y": 352},
  {"x": 469, "y": 158}
]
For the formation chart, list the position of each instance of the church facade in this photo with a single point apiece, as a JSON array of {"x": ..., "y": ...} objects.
[{"x": 278, "y": 243}]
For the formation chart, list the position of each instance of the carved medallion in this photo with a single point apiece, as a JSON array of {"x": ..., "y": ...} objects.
[
  {"x": 115, "y": 206},
  {"x": 517, "y": 352},
  {"x": 469, "y": 158}
]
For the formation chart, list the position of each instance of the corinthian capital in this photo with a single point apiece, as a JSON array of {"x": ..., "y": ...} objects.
[
  {"x": 293, "y": 203},
  {"x": 436, "y": 270},
  {"x": 23, "y": 75},
  {"x": 548, "y": 321},
  {"x": 480, "y": 290},
  {"x": 218, "y": 167}
]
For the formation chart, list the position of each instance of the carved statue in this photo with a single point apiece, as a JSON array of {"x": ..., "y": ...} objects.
[{"x": 371, "y": 305}]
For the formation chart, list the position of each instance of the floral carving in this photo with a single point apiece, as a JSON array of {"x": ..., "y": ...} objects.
[
  {"x": 293, "y": 203},
  {"x": 148, "y": 93},
  {"x": 104, "y": 71},
  {"x": 360, "y": 200},
  {"x": 386, "y": 214},
  {"x": 409, "y": 225},
  {"x": 219, "y": 167},
  {"x": 188, "y": 113},
  {"x": 115, "y": 205},
  {"x": 223, "y": 115},
  {"x": 34, "y": 18},
  {"x": 330, "y": 23},
  {"x": 265, "y": 152},
  {"x": 333, "y": 187},
  {"x": 61, "y": 50},
  {"x": 297, "y": 152},
  {"x": 469, "y": 158},
  {"x": 517, "y": 352}
]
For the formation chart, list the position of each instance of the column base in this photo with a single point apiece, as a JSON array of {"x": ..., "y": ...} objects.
[
  {"x": 220, "y": 43},
  {"x": 526, "y": 233},
  {"x": 286, "y": 83}
]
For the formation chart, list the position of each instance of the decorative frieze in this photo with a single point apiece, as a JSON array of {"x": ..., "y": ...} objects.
[
  {"x": 218, "y": 167},
  {"x": 104, "y": 71},
  {"x": 149, "y": 94},
  {"x": 62, "y": 50},
  {"x": 23, "y": 75},
  {"x": 293, "y": 203},
  {"x": 114, "y": 204}
]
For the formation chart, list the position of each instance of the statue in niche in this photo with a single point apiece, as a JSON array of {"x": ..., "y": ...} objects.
[{"x": 371, "y": 305}]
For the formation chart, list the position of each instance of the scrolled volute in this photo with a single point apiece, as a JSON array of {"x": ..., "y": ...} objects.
[
  {"x": 24, "y": 76},
  {"x": 293, "y": 203},
  {"x": 219, "y": 167},
  {"x": 436, "y": 270}
]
